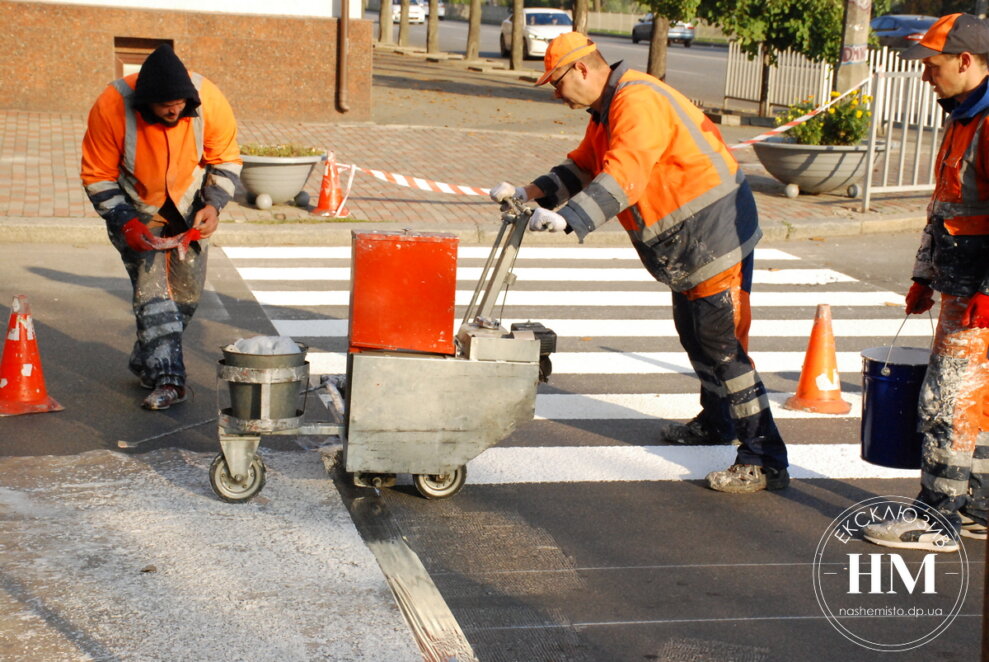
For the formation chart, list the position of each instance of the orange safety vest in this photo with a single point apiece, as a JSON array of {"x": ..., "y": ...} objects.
[
  {"x": 153, "y": 162},
  {"x": 961, "y": 193}
]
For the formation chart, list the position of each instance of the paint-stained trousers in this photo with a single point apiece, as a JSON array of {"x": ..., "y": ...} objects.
[
  {"x": 713, "y": 321},
  {"x": 166, "y": 293},
  {"x": 952, "y": 417}
]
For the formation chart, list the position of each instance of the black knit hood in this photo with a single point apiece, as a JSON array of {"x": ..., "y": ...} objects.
[{"x": 163, "y": 77}]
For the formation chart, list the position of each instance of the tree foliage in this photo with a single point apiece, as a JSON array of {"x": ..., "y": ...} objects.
[{"x": 814, "y": 28}]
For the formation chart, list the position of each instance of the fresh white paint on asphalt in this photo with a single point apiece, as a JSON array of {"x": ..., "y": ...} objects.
[
  {"x": 572, "y": 298},
  {"x": 109, "y": 556},
  {"x": 540, "y": 274},
  {"x": 648, "y": 328},
  {"x": 625, "y": 363},
  {"x": 510, "y": 466},
  {"x": 526, "y": 252}
]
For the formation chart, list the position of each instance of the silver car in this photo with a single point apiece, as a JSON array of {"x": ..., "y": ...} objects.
[
  {"x": 540, "y": 26},
  {"x": 680, "y": 32}
]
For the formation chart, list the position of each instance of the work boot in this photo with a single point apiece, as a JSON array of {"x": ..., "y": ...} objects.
[
  {"x": 694, "y": 433},
  {"x": 972, "y": 528},
  {"x": 911, "y": 533},
  {"x": 747, "y": 478},
  {"x": 164, "y": 396}
]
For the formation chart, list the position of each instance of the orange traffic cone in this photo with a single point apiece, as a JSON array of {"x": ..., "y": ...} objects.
[
  {"x": 22, "y": 384},
  {"x": 331, "y": 198},
  {"x": 819, "y": 388}
]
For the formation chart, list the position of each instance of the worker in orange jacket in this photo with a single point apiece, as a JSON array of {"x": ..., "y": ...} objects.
[
  {"x": 159, "y": 161},
  {"x": 954, "y": 260},
  {"x": 653, "y": 159}
]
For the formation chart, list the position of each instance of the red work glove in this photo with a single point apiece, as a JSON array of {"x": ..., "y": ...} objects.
[
  {"x": 977, "y": 313},
  {"x": 137, "y": 235},
  {"x": 191, "y": 235},
  {"x": 920, "y": 299}
]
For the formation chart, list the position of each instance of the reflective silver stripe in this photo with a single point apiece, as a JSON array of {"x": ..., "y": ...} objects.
[
  {"x": 742, "y": 382},
  {"x": 130, "y": 125},
  {"x": 946, "y": 486},
  {"x": 715, "y": 267},
  {"x": 980, "y": 466},
  {"x": 968, "y": 174},
  {"x": 185, "y": 204},
  {"x": 752, "y": 407},
  {"x": 159, "y": 330},
  {"x": 197, "y": 121},
  {"x": 592, "y": 207},
  {"x": 694, "y": 206}
]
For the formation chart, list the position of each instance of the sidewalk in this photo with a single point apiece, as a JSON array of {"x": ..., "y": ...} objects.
[{"x": 41, "y": 198}]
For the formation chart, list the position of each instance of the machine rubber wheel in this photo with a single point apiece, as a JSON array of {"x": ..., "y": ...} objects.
[
  {"x": 440, "y": 486},
  {"x": 229, "y": 490},
  {"x": 853, "y": 191}
]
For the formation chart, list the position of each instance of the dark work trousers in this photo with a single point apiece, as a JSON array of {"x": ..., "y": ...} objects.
[
  {"x": 713, "y": 331},
  {"x": 166, "y": 293},
  {"x": 952, "y": 417}
]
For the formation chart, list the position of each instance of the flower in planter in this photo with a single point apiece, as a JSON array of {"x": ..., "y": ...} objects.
[
  {"x": 291, "y": 149},
  {"x": 845, "y": 123}
]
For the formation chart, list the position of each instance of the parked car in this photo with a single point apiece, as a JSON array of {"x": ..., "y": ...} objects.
[
  {"x": 416, "y": 13},
  {"x": 440, "y": 9},
  {"x": 680, "y": 32},
  {"x": 901, "y": 30},
  {"x": 540, "y": 25}
]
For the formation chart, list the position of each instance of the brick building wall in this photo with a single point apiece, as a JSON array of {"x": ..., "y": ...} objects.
[{"x": 58, "y": 58}]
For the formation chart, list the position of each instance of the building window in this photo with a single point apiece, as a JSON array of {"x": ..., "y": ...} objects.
[{"x": 129, "y": 53}]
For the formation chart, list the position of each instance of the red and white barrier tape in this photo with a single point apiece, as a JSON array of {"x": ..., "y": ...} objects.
[
  {"x": 430, "y": 186},
  {"x": 800, "y": 120}
]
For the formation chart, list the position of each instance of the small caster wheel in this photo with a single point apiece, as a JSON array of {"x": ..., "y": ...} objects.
[
  {"x": 440, "y": 486},
  {"x": 853, "y": 191},
  {"x": 230, "y": 490},
  {"x": 301, "y": 199},
  {"x": 791, "y": 191}
]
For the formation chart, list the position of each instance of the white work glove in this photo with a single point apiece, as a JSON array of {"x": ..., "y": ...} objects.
[
  {"x": 544, "y": 219},
  {"x": 504, "y": 191}
]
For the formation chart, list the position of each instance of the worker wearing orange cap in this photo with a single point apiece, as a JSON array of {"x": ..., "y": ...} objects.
[
  {"x": 652, "y": 158},
  {"x": 954, "y": 260}
]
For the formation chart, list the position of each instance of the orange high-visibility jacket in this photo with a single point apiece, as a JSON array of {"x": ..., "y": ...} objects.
[
  {"x": 954, "y": 253},
  {"x": 130, "y": 167},
  {"x": 654, "y": 160}
]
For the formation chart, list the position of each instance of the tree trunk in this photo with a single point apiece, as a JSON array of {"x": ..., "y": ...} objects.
[
  {"x": 597, "y": 6},
  {"x": 403, "y": 24},
  {"x": 474, "y": 30},
  {"x": 518, "y": 18},
  {"x": 385, "y": 31},
  {"x": 433, "y": 28},
  {"x": 764, "y": 107},
  {"x": 657, "y": 47},
  {"x": 580, "y": 16}
]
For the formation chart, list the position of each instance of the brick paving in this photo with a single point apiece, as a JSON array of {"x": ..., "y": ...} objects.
[{"x": 40, "y": 155}]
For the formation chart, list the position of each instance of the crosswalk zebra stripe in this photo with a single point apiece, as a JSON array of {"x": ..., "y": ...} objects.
[
  {"x": 648, "y": 328},
  {"x": 534, "y": 274},
  {"x": 467, "y": 252},
  {"x": 626, "y": 363},
  {"x": 652, "y": 298},
  {"x": 665, "y": 406},
  {"x": 513, "y": 465}
]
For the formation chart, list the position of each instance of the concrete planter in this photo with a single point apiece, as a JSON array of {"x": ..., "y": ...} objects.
[
  {"x": 814, "y": 168},
  {"x": 281, "y": 177}
]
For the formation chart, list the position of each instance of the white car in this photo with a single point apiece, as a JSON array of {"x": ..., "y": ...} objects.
[
  {"x": 416, "y": 13},
  {"x": 541, "y": 25}
]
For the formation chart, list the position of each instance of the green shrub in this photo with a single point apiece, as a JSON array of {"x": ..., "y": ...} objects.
[{"x": 845, "y": 123}]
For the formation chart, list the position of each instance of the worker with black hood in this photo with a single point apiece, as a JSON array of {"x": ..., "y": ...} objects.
[{"x": 159, "y": 162}]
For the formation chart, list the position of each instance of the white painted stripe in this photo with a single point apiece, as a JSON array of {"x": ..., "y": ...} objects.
[
  {"x": 629, "y": 363},
  {"x": 666, "y": 406},
  {"x": 532, "y": 274},
  {"x": 504, "y": 466},
  {"x": 581, "y": 298},
  {"x": 466, "y": 252},
  {"x": 611, "y": 328}
]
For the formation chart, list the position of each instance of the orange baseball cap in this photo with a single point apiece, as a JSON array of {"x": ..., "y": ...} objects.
[
  {"x": 565, "y": 49},
  {"x": 954, "y": 33}
]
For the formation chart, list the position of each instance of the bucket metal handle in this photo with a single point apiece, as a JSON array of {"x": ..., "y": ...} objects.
[{"x": 885, "y": 369}]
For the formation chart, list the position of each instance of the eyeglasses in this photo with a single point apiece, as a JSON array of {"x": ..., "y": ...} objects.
[{"x": 556, "y": 83}]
